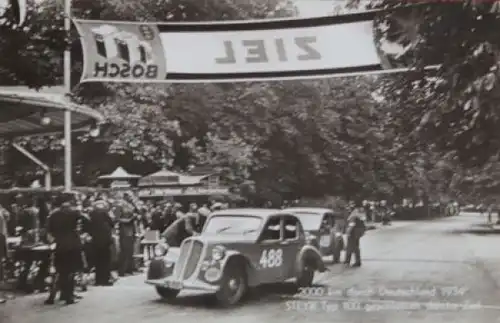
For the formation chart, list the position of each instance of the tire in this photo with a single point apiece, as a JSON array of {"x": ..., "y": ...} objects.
[
  {"x": 167, "y": 293},
  {"x": 233, "y": 286},
  {"x": 306, "y": 277}
]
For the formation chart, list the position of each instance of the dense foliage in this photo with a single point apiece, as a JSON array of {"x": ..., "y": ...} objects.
[
  {"x": 453, "y": 110},
  {"x": 415, "y": 137}
]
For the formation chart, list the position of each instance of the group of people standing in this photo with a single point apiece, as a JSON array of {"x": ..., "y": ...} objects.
[
  {"x": 89, "y": 233},
  {"x": 84, "y": 233}
]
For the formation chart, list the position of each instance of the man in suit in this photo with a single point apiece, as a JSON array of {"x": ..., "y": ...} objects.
[
  {"x": 101, "y": 228},
  {"x": 157, "y": 219},
  {"x": 355, "y": 230},
  {"x": 168, "y": 216},
  {"x": 63, "y": 227},
  {"x": 126, "y": 218}
]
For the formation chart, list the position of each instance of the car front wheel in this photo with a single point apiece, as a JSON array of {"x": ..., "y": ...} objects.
[
  {"x": 233, "y": 286},
  {"x": 306, "y": 277},
  {"x": 167, "y": 293}
]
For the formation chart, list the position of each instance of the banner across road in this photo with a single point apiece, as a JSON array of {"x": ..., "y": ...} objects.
[{"x": 231, "y": 51}]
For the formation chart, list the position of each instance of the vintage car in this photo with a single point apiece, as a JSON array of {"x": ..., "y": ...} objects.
[
  {"x": 324, "y": 227},
  {"x": 237, "y": 249}
]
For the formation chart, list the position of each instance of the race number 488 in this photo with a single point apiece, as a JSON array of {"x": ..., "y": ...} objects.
[{"x": 271, "y": 258}]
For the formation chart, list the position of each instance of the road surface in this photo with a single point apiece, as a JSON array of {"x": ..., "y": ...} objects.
[{"x": 412, "y": 272}]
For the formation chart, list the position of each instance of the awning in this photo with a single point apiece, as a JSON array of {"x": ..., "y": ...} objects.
[
  {"x": 26, "y": 112},
  {"x": 119, "y": 173}
]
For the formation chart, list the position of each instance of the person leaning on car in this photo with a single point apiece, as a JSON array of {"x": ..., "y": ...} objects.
[
  {"x": 196, "y": 220},
  {"x": 177, "y": 232}
]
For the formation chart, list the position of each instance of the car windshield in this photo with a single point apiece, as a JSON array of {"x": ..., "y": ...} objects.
[
  {"x": 310, "y": 221},
  {"x": 233, "y": 224}
]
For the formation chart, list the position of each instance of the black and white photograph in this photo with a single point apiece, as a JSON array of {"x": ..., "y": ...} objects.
[{"x": 267, "y": 161}]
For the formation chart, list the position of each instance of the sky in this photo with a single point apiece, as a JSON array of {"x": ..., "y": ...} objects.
[
  {"x": 312, "y": 8},
  {"x": 315, "y": 8}
]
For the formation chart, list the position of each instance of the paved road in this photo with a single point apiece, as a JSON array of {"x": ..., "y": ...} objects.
[{"x": 425, "y": 262}]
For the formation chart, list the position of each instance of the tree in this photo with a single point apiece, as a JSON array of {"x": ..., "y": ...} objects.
[
  {"x": 30, "y": 54},
  {"x": 282, "y": 139},
  {"x": 455, "y": 108},
  {"x": 146, "y": 124},
  {"x": 301, "y": 138}
]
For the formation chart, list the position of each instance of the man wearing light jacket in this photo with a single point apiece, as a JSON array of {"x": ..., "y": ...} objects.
[{"x": 355, "y": 230}]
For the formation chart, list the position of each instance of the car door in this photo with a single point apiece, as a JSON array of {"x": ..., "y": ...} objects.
[
  {"x": 291, "y": 244},
  {"x": 269, "y": 260}
]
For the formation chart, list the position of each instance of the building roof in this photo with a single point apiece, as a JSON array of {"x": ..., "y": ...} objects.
[
  {"x": 165, "y": 178},
  {"x": 119, "y": 173},
  {"x": 22, "y": 110}
]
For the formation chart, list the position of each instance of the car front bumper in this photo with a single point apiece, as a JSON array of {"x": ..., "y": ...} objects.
[{"x": 190, "y": 284}]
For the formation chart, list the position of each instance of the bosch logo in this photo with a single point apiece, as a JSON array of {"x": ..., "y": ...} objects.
[{"x": 136, "y": 56}]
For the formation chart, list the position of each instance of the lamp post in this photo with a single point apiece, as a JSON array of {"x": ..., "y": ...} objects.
[{"x": 67, "y": 113}]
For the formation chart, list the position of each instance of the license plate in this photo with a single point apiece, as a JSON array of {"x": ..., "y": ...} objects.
[
  {"x": 175, "y": 284},
  {"x": 325, "y": 241}
]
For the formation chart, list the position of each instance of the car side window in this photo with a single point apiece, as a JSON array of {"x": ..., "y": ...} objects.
[
  {"x": 292, "y": 228},
  {"x": 272, "y": 230}
]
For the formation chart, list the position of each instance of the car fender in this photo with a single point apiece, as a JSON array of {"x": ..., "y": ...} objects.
[
  {"x": 163, "y": 267},
  {"x": 312, "y": 255},
  {"x": 236, "y": 256}
]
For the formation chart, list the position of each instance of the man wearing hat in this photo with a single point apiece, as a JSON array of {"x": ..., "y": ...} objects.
[
  {"x": 157, "y": 219},
  {"x": 168, "y": 215},
  {"x": 101, "y": 228},
  {"x": 126, "y": 218},
  {"x": 63, "y": 227}
]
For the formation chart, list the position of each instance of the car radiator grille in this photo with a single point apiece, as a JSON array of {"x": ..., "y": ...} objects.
[
  {"x": 181, "y": 262},
  {"x": 194, "y": 258},
  {"x": 189, "y": 257}
]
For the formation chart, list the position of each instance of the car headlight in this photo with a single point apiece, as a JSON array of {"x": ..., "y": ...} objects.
[
  {"x": 161, "y": 249},
  {"x": 213, "y": 274},
  {"x": 218, "y": 253}
]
